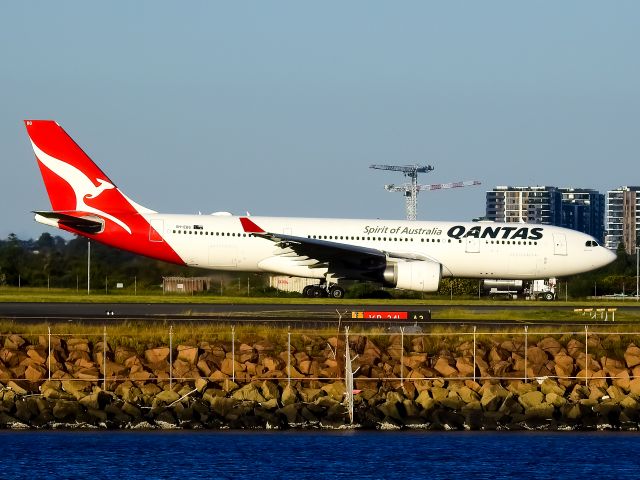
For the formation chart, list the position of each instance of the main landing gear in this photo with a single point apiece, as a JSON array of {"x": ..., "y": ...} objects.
[{"x": 318, "y": 291}]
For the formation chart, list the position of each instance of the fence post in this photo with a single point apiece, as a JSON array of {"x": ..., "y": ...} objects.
[
  {"x": 233, "y": 351},
  {"x": 526, "y": 348},
  {"x": 474, "y": 353},
  {"x": 288, "y": 356},
  {"x": 170, "y": 356},
  {"x": 104, "y": 358},
  {"x": 49, "y": 348},
  {"x": 401, "y": 356},
  {"x": 348, "y": 374},
  {"x": 586, "y": 355}
]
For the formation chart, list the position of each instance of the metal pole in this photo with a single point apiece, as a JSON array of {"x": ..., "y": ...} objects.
[
  {"x": 348, "y": 374},
  {"x": 637, "y": 268},
  {"x": 586, "y": 355},
  {"x": 474, "y": 353},
  {"x": 49, "y": 349},
  {"x": 233, "y": 352},
  {"x": 135, "y": 285},
  {"x": 288, "y": 358},
  {"x": 104, "y": 358},
  {"x": 88, "y": 267},
  {"x": 171, "y": 356},
  {"x": 401, "y": 356},
  {"x": 526, "y": 348}
]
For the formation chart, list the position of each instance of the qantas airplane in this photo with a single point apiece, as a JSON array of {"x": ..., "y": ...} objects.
[{"x": 408, "y": 255}]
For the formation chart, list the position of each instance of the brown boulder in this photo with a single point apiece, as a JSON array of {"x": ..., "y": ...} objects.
[
  {"x": 632, "y": 356},
  {"x": 612, "y": 365},
  {"x": 531, "y": 399},
  {"x": 188, "y": 354},
  {"x": 465, "y": 366},
  {"x": 501, "y": 368},
  {"x": 34, "y": 373},
  {"x": 536, "y": 356},
  {"x": 513, "y": 346},
  {"x": 550, "y": 345},
  {"x": 417, "y": 345},
  {"x": 272, "y": 363},
  {"x": 229, "y": 366},
  {"x": 575, "y": 348},
  {"x": 497, "y": 354},
  {"x": 14, "y": 342},
  {"x": 622, "y": 380},
  {"x": 78, "y": 344},
  {"x": 634, "y": 387},
  {"x": 415, "y": 361},
  {"x": 583, "y": 362},
  {"x": 443, "y": 367},
  {"x": 204, "y": 367},
  {"x": 37, "y": 354},
  {"x": 563, "y": 365},
  {"x": 310, "y": 367},
  {"x": 123, "y": 353},
  {"x": 157, "y": 355}
]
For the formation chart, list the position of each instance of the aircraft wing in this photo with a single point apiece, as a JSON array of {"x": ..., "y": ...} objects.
[{"x": 341, "y": 259}]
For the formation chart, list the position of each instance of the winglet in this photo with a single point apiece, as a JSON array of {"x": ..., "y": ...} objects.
[{"x": 249, "y": 226}]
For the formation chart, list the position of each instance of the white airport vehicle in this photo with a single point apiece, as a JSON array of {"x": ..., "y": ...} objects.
[
  {"x": 408, "y": 255},
  {"x": 538, "y": 289}
]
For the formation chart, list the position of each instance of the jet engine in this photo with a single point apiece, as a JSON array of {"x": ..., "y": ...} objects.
[{"x": 419, "y": 275}]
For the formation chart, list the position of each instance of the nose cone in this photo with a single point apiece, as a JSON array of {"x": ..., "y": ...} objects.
[{"x": 605, "y": 257}]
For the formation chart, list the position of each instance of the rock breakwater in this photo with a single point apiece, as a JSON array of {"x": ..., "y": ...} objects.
[{"x": 400, "y": 381}]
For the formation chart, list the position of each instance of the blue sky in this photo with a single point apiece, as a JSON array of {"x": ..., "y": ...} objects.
[{"x": 278, "y": 108}]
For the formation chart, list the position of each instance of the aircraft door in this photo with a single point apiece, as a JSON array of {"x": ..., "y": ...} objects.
[
  {"x": 559, "y": 244},
  {"x": 155, "y": 230},
  {"x": 472, "y": 245}
]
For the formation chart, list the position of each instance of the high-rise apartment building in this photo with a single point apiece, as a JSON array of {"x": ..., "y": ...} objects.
[
  {"x": 583, "y": 210},
  {"x": 525, "y": 204},
  {"x": 580, "y": 209},
  {"x": 622, "y": 222}
]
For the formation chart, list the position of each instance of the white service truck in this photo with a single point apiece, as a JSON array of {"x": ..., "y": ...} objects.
[{"x": 541, "y": 289}]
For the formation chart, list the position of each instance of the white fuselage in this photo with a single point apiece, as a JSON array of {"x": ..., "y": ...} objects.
[{"x": 473, "y": 250}]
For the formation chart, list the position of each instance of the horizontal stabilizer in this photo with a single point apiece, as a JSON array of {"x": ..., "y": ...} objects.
[{"x": 80, "y": 221}]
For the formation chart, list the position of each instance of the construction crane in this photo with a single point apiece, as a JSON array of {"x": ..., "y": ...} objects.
[
  {"x": 411, "y": 193},
  {"x": 412, "y": 188}
]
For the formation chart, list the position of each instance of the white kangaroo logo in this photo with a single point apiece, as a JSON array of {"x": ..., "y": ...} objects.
[{"x": 82, "y": 185}]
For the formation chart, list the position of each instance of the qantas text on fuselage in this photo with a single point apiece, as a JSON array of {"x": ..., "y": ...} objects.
[{"x": 403, "y": 254}]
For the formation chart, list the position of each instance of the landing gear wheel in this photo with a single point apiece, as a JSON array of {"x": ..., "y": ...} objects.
[
  {"x": 318, "y": 292},
  {"x": 336, "y": 292},
  {"x": 308, "y": 291},
  {"x": 549, "y": 296}
]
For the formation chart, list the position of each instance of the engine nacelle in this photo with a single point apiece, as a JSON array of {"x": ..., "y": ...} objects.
[{"x": 419, "y": 276}]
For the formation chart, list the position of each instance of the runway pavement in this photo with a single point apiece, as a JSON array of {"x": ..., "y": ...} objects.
[{"x": 244, "y": 313}]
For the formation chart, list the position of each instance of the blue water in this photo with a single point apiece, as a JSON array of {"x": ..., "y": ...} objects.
[{"x": 313, "y": 455}]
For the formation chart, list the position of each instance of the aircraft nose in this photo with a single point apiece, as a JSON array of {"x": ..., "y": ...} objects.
[{"x": 606, "y": 256}]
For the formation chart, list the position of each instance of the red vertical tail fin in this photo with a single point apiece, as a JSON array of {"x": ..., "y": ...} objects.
[{"x": 85, "y": 200}]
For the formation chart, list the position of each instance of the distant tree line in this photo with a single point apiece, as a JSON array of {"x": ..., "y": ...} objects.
[
  {"x": 51, "y": 260},
  {"x": 56, "y": 262}
]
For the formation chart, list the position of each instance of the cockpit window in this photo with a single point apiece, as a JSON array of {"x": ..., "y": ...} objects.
[{"x": 591, "y": 243}]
